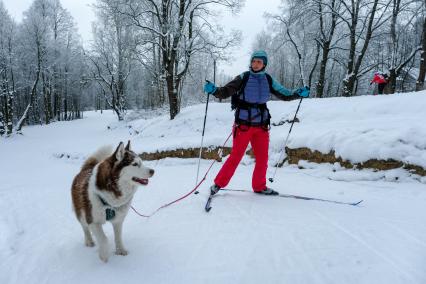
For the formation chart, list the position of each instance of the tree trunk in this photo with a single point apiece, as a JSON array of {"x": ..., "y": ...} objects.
[
  {"x": 2, "y": 123},
  {"x": 349, "y": 80},
  {"x": 326, "y": 42},
  {"x": 11, "y": 95},
  {"x": 65, "y": 109},
  {"x": 422, "y": 71},
  {"x": 47, "y": 100},
  {"x": 391, "y": 86},
  {"x": 9, "y": 114},
  {"x": 33, "y": 98},
  {"x": 311, "y": 74},
  {"x": 5, "y": 118},
  {"x": 2, "y": 117},
  {"x": 22, "y": 119},
  {"x": 173, "y": 97},
  {"x": 323, "y": 68}
]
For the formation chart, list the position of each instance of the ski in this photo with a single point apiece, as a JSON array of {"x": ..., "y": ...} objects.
[
  {"x": 207, "y": 207},
  {"x": 299, "y": 197}
]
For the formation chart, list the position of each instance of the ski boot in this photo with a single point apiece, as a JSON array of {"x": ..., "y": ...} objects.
[
  {"x": 214, "y": 189},
  {"x": 268, "y": 191}
]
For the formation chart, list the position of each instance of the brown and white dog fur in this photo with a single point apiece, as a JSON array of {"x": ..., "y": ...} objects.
[{"x": 107, "y": 181}]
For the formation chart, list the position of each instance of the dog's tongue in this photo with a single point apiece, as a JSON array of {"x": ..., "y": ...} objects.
[{"x": 142, "y": 181}]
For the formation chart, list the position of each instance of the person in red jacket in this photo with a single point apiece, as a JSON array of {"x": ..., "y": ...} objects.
[{"x": 381, "y": 79}]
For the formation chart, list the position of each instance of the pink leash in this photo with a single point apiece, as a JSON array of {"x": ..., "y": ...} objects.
[{"x": 186, "y": 195}]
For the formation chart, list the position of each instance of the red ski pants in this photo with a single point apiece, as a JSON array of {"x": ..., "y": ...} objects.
[{"x": 259, "y": 140}]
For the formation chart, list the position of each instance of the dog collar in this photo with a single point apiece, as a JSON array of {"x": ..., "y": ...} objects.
[{"x": 109, "y": 212}]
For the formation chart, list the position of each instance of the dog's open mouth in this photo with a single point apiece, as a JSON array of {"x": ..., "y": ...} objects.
[{"x": 143, "y": 181}]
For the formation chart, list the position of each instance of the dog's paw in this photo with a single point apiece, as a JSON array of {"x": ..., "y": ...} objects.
[
  {"x": 104, "y": 258},
  {"x": 103, "y": 254},
  {"x": 89, "y": 243},
  {"x": 121, "y": 251}
]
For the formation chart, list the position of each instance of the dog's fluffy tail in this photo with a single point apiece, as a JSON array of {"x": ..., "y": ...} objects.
[{"x": 101, "y": 154}]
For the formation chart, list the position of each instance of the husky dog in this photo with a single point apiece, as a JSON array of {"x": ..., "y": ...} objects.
[{"x": 103, "y": 191}]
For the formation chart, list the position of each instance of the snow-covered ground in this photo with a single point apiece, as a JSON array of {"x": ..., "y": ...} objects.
[{"x": 245, "y": 238}]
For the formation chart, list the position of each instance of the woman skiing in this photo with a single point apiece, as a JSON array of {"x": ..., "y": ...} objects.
[{"x": 250, "y": 92}]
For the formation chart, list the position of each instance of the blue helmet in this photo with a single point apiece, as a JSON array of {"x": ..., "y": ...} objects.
[{"x": 261, "y": 54}]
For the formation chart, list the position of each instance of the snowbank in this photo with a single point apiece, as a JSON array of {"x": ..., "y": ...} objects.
[{"x": 357, "y": 129}]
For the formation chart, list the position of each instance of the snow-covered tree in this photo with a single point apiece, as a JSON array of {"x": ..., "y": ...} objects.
[
  {"x": 42, "y": 59},
  {"x": 177, "y": 30},
  {"x": 401, "y": 48},
  {"x": 113, "y": 52},
  {"x": 341, "y": 43},
  {"x": 7, "y": 84}
]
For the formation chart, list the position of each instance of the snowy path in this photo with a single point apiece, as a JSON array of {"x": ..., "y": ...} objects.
[{"x": 244, "y": 239}]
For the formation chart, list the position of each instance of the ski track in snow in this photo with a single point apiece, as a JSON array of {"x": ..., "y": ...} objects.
[
  {"x": 365, "y": 244},
  {"x": 404, "y": 234}
]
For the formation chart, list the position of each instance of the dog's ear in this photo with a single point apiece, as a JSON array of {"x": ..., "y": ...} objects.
[
  {"x": 119, "y": 152},
  {"x": 128, "y": 146}
]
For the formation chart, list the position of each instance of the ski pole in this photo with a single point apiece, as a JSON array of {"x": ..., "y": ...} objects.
[
  {"x": 202, "y": 138},
  {"x": 271, "y": 179},
  {"x": 204, "y": 124}
]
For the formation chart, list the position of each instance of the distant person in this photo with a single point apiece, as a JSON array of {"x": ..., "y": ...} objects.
[
  {"x": 381, "y": 79},
  {"x": 250, "y": 91}
]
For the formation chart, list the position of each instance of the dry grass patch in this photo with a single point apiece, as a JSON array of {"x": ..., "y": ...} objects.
[
  {"x": 210, "y": 153},
  {"x": 295, "y": 155}
]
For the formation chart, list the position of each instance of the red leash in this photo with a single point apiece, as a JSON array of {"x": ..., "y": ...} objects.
[{"x": 186, "y": 195}]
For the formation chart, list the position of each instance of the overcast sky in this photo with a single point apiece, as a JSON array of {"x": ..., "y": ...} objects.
[{"x": 250, "y": 21}]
